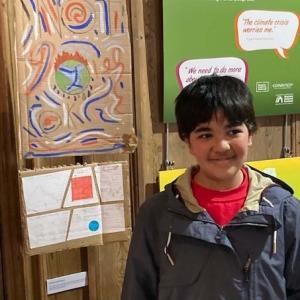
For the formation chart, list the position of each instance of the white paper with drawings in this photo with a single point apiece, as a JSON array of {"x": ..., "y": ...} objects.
[
  {"x": 85, "y": 222},
  {"x": 48, "y": 229},
  {"x": 44, "y": 192},
  {"x": 113, "y": 218},
  {"x": 110, "y": 182}
]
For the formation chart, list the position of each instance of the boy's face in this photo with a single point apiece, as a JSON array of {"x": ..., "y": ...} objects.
[{"x": 220, "y": 149}]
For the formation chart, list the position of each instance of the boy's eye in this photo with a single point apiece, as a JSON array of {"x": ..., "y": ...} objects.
[
  {"x": 234, "y": 131},
  {"x": 204, "y": 135}
]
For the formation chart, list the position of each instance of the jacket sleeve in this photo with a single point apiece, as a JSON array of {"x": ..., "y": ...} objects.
[
  {"x": 292, "y": 240},
  {"x": 141, "y": 275}
]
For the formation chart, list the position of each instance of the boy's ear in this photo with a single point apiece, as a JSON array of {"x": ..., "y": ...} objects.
[
  {"x": 187, "y": 141},
  {"x": 250, "y": 140}
]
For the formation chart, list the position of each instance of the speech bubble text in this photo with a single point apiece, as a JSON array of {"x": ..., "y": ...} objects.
[
  {"x": 260, "y": 29},
  {"x": 190, "y": 70}
]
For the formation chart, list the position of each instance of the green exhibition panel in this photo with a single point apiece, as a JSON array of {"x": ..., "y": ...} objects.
[{"x": 254, "y": 40}]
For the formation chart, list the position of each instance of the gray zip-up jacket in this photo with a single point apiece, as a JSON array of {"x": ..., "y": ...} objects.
[{"x": 179, "y": 253}]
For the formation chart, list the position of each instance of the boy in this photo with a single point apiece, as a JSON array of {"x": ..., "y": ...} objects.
[{"x": 221, "y": 231}]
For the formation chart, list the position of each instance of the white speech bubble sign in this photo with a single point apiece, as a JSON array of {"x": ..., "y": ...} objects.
[
  {"x": 189, "y": 70},
  {"x": 261, "y": 29}
]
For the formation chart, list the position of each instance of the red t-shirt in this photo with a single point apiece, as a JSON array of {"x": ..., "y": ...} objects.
[{"x": 222, "y": 206}]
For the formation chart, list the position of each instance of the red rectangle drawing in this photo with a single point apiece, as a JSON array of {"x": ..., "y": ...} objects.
[{"x": 81, "y": 188}]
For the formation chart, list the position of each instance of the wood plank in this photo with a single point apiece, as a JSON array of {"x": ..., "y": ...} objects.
[
  {"x": 107, "y": 268},
  {"x": 65, "y": 263},
  {"x": 268, "y": 141},
  {"x": 11, "y": 238},
  {"x": 142, "y": 104},
  {"x": 1, "y": 278},
  {"x": 296, "y": 135}
]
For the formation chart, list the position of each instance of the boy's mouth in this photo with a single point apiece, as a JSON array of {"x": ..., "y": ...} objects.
[{"x": 220, "y": 159}]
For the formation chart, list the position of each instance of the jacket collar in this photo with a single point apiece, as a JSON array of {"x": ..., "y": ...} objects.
[{"x": 258, "y": 183}]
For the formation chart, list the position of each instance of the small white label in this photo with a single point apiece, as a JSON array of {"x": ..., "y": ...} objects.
[
  {"x": 262, "y": 87},
  {"x": 65, "y": 283},
  {"x": 283, "y": 99}
]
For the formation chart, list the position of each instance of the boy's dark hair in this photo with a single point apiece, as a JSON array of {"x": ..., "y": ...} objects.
[{"x": 200, "y": 100}]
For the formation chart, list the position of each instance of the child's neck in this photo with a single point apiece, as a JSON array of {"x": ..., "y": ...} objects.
[{"x": 219, "y": 185}]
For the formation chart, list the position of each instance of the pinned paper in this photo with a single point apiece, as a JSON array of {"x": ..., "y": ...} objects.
[
  {"x": 67, "y": 282},
  {"x": 44, "y": 192},
  {"x": 82, "y": 189},
  {"x": 110, "y": 181},
  {"x": 85, "y": 222},
  {"x": 113, "y": 218},
  {"x": 48, "y": 229}
]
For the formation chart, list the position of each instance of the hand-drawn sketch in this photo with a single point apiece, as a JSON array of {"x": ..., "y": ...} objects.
[
  {"x": 74, "y": 77},
  {"x": 110, "y": 180},
  {"x": 82, "y": 188},
  {"x": 63, "y": 207}
]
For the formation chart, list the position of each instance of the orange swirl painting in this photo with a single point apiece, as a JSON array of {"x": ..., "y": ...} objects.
[{"x": 74, "y": 77}]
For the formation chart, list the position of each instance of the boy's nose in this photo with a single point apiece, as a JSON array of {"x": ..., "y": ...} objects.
[{"x": 221, "y": 145}]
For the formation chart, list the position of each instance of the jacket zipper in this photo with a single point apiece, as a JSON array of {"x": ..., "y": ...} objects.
[{"x": 246, "y": 271}]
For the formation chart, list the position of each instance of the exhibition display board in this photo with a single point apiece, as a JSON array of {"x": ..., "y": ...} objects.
[
  {"x": 77, "y": 206},
  {"x": 256, "y": 41}
]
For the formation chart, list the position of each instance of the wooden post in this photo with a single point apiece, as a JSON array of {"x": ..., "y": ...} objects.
[
  {"x": 11, "y": 239},
  {"x": 144, "y": 155}
]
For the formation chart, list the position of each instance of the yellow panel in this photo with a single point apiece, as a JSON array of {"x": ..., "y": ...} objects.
[
  {"x": 168, "y": 176},
  {"x": 287, "y": 169}
]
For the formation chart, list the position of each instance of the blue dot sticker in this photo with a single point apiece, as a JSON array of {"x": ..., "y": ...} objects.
[{"x": 94, "y": 225}]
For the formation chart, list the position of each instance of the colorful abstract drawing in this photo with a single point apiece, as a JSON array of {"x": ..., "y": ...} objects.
[{"x": 74, "y": 77}]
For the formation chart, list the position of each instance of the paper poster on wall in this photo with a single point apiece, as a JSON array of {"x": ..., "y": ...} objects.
[
  {"x": 65, "y": 208},
  {"x": 74, "y": 77},
  {"x": 255, "y": 41},
  {"x": 110, "y": 180},
  {"x": 113, "y": 218},
  {"x": 286, "y": 169}
]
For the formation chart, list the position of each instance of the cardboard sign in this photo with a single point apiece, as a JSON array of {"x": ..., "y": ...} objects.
[
  {"x": 74, "y": 77},
  {"x": 75, "y": 206}
]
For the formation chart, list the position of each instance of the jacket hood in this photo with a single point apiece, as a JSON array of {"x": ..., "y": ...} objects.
[{"x": 259, "y": 181}]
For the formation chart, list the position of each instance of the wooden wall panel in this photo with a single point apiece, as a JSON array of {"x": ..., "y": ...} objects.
[
  {"x": 106, "y": 270},
  {"x": 12, "y": 260},
  {"x": 64, "y": 263},
  {"x": 296, "y": 135},
  {"x": 144, "y": 129},
  {"x": 1, "y": 279},
  {"x": 25, "y": 277}
]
